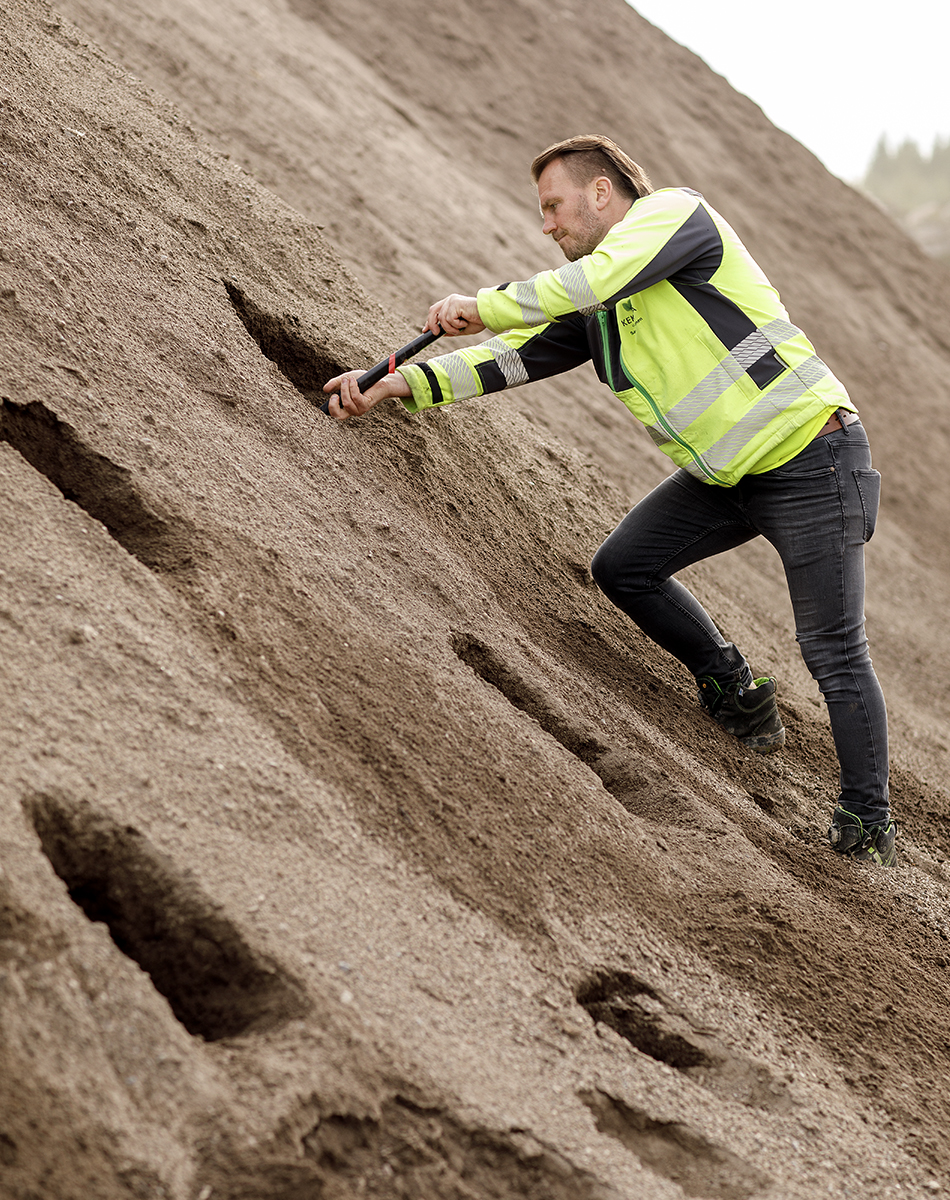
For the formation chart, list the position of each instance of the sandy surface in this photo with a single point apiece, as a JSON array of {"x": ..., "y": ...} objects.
[{"x": 351, "y": 845}]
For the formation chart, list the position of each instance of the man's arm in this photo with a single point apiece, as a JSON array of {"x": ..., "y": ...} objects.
[
  {"x": 508, "y": 360},
  {"x": 518, "y": 357},
  {"x": 664, "y": 233}
]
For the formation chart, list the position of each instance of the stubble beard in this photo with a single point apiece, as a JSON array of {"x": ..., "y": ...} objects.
[{"x": 588, "y": 237}]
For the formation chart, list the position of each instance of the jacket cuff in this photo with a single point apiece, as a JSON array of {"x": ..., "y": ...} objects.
[
  {"x": 420, "y": 387},
  {"x": 487, "y": 314}
]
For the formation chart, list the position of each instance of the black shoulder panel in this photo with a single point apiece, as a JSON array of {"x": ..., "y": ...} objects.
[{"x": 694, "y": 251}]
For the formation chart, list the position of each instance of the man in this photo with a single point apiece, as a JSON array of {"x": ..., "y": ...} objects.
[{"x": 690, "y": 335}]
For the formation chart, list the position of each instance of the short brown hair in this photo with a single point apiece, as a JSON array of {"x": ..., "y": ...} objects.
[{"x": 590, "y": 155}]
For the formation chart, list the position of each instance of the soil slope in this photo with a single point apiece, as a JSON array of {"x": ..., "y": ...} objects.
[{"x": 350, "y": 843}]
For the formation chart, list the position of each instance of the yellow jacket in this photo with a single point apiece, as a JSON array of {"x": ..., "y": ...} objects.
[{"x": 681, "y": 324}]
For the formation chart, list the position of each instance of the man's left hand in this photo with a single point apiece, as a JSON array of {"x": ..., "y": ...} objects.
[{"x": 349, "y": 401}]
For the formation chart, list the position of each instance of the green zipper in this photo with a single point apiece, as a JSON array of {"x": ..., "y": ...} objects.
[{"x": 602, "y": 319}]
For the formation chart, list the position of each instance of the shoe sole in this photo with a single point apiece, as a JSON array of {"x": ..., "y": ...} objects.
[
  {"x": 871, "y": 858},
  {"x": 766, "y": 743},
  {"x": 876, "y": 860}
]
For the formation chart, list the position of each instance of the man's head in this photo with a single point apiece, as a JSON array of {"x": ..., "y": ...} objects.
[{"x": 585, "y": 185}]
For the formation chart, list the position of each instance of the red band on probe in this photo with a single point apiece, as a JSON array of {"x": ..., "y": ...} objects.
[{"x": 392, "y": 363}]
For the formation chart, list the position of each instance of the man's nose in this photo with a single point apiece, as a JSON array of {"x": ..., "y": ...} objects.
[{"x": 549, "y": 225}]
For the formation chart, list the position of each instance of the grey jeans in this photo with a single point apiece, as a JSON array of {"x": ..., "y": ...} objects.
[{"x": 817, "y": 511}]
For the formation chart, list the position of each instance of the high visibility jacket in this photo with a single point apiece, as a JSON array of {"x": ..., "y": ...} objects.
[{"x": 681, "y": 324}]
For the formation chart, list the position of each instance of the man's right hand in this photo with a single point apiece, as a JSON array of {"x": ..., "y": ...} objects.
[
  {"x": 351, "y": 402},
  {"x": 454, "y": 316}
]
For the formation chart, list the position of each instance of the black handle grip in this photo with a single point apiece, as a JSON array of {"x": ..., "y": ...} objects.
[{"x": 382, "y": 368}]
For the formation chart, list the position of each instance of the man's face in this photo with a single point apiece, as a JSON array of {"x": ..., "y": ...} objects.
[{"x": 569, "y": 212}]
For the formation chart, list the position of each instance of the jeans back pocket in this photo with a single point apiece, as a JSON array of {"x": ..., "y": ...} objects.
[{"x": 868, "y": 483}]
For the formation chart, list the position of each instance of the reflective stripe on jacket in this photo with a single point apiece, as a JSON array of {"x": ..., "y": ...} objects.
[{"x": 680, "y": 322}]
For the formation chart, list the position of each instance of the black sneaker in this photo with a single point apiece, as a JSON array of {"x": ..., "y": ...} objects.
[
  {"x": 849, "y": 837},
  {"x": 751, "y": 714}
]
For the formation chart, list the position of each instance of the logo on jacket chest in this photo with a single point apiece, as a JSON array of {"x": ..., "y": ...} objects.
[{"x": 627, "y": 317}]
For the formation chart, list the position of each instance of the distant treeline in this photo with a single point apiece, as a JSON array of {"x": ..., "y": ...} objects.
[{"x": 904, "y": 179}]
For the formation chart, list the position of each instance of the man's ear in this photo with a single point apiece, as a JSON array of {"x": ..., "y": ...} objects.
[{"x": 603, "y": 191}]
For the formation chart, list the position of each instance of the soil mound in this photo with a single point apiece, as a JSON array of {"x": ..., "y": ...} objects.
[{"x": 352, "y": 845}]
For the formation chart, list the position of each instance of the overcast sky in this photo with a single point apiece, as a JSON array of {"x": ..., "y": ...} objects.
[{"x": 835, "y": 74}]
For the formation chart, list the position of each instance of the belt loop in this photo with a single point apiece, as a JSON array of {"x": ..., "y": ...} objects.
[{"x": 840, "y": 413}]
